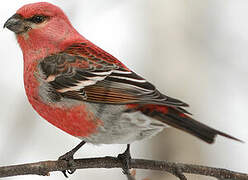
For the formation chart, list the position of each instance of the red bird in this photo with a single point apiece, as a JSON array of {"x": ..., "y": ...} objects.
[{"x": 87, "y": 92}]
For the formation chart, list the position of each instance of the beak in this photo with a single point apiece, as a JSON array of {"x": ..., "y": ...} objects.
[{"x": 16, "y": 24}]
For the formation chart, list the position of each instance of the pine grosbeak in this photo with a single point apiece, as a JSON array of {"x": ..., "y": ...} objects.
[{"x": 88, "y": 93}]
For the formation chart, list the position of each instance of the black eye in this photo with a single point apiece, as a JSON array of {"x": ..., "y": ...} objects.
[{"x": 38, "y": 19}]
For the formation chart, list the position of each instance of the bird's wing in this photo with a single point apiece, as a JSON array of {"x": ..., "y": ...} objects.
[{"x": 87, "y": 73}]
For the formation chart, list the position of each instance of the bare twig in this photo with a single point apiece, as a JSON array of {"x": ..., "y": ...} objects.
[{"x": 177, "y": 169}]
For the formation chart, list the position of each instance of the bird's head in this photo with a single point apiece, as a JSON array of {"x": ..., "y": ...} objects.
[{"x": 41, "y": 26}]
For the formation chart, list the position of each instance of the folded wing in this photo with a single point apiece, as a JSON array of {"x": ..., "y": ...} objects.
[{"x": 86, "y": 73}]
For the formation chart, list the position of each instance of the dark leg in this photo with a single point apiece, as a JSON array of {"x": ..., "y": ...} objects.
[
  {"x": 69, "y": 157},
  {"x": 125, "y": 159}
]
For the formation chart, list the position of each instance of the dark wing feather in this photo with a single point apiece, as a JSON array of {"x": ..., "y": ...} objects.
[{"x": 87, "y": 73}]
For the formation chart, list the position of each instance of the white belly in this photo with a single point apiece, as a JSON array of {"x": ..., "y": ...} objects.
[{"x": 122, "y": 128}]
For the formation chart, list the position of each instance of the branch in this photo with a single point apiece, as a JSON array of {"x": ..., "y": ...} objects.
[{"x": 177, "y": 169}]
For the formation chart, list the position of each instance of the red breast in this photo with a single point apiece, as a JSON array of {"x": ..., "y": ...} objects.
[{"x": 77, "y": 120}]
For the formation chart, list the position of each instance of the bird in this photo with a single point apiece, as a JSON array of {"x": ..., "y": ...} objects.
[{"x": 88, "y": 93}]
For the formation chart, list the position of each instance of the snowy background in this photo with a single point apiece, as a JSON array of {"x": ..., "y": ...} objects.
[{"x": 194, "y": 50}]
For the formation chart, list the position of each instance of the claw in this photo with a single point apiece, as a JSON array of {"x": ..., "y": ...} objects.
[
  {"x": 69, "y": 158},
  {"x": 64, "y": 172}
]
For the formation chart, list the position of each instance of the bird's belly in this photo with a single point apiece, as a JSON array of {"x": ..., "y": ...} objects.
[{"x": 120, "y": 127}]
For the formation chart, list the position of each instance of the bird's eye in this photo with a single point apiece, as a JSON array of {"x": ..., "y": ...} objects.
[{"x": 37, "y": 19}]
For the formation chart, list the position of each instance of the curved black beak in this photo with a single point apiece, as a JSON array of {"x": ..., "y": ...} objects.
[{"x": 16, "y": 24}]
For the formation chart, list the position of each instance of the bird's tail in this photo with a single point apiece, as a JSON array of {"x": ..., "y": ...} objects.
[
  {"x": 179, "y": 118},
  {"x": 184, "y": 122}
]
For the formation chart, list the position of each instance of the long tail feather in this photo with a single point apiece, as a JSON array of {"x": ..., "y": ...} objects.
[
  {"x": 194, "y": 127},
  {"x": 186, "y": 123}
]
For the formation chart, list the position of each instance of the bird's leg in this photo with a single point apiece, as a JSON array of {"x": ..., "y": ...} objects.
[
  {"x": 69, "y": 157},
  {"x": 125, "y": 159}
]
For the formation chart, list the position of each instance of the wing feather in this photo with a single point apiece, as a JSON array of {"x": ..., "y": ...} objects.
[{"x": 86, "y": 73}]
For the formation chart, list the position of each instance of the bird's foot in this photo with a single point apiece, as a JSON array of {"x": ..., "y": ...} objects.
[
  {"x": 125, "y": 159},
  {"x": 69, "y": 158}
]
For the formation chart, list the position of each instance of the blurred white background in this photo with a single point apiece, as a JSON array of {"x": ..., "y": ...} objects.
[{"x": 194, "y": 50}]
